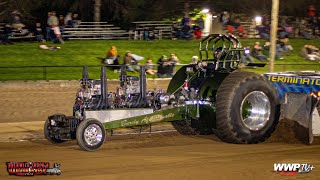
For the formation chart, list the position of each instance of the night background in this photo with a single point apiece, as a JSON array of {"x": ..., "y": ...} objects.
[
  {"x": 123, "y": 12},
  {"x": 160, "y": 89}
]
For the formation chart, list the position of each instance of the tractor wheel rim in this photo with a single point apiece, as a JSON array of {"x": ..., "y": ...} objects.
[
  {"x": 93, "y": 135},
  {"x": 255, "y": 110}
]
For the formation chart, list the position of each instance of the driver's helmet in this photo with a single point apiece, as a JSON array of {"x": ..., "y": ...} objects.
[{"x": 218, "y": 53}]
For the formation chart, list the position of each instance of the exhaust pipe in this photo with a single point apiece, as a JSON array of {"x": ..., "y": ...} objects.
[
  {"x": 85, "y": 74},
  {"x": 123, "y": 75},
  {"x": 104, "y": 89},
  {"x": 103, "y": 100},
  {"x": 143, "y": 86}
]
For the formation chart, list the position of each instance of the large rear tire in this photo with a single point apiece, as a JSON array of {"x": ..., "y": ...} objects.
[
  {"x": 90, "y": 134},
  {"x": 247, "y": 108}
]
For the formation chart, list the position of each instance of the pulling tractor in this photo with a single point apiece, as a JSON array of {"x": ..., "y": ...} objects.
[{"x": 211, "y": 97}]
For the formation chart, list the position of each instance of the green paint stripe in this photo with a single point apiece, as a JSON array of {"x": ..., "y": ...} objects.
[
  {"x": 156, "y": 117},
  {"x": 165, "y": 115}
]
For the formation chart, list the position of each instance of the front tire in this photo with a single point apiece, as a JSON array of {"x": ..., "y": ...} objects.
[
  {"x": 48, "y": 135},
  {"x": 90, "y": 134},
  {"x": 247, "y": 108}
]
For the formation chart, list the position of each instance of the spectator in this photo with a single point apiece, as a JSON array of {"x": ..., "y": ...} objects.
[
  {"x": 195, "y": 59},
  {"x": 129, "y": 61},
  {"x": 311, "y": 11},
  {"x": 48, "y": 29},
  {"x": 280, "y": 47},
  {"x": 266, "y": 50},
  {"x": 313, "y": 24},
  {"x": 54, "y": 23},
  {"x": 176, "y": 30},
  {"x": 310, "y": 53},
  {"x": 16, "y": 20},
  {"x": 112, "y": 57},
  {"x": 224, "y": 17},
  {"x": 197, "y": 31},
  {"x": 68, "y": 20},
  {"x": 246, "y": 56},
  {"x": 61, "y": 23},
  {"x": 186, "y": 32},
  {"x": 162, "y": 66},
  {"x": 185, "y": 20},
  {"x": 146, "y": 33},
  {"x": 52, "y": 20},
  {"x": 200, "y": 22},
  {"x": 6, "y": 33},
  {"x": 149, "y": 34},
  {"x": 235, "y": 26},
  {"x": 304, "y": 31},
  {"x": 174, "y": 58},
  {"x": 38, "y": 32},
  {"x": 284, "y": 45},
  {"x": 264, "y": 30},
  {"x": 256, "y": 52},
  {"x": 152, "y": 35},
  {"x": 282, "y": 30},
  {"x": 75, "y": 19},
  {"x": 286, "y": 27},
  {"x": 112, "y": 53},
  {"x": 312, "y": 18},
  {"x": 171, "y": 64},
  {"x": 150, "y": 67}
]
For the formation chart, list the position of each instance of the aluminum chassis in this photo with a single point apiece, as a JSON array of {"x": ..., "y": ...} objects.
[{"x": 128, "y": 117}]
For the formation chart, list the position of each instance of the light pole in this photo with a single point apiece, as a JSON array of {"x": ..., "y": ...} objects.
[
  {"x": 208, "y": 22},
  {"x": 273, "y": 35}
]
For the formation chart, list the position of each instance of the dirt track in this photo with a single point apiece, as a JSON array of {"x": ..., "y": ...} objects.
[
  {"x": 159, "y": 156},
  {"x": 33, "y": 101},
  {"x": 165, "y": 157}
]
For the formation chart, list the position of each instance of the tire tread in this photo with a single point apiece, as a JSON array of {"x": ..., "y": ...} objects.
[{"x": 225, "y": 131}]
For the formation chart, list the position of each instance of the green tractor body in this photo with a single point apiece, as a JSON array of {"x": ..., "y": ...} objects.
[{"x": 210, "y": 97}]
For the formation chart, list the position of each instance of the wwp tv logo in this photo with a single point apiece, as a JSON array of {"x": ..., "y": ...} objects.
[{"x": 290, "y": 169}]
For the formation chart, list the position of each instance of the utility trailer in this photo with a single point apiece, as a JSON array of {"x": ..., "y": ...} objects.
[{"x": 211, "y": 97}]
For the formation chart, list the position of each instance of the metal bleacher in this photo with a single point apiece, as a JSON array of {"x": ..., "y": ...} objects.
[
  {"x": 251, "y": 29},
  {"x": 163, "y": 29},
  {"x": 95, "y": 30}
]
